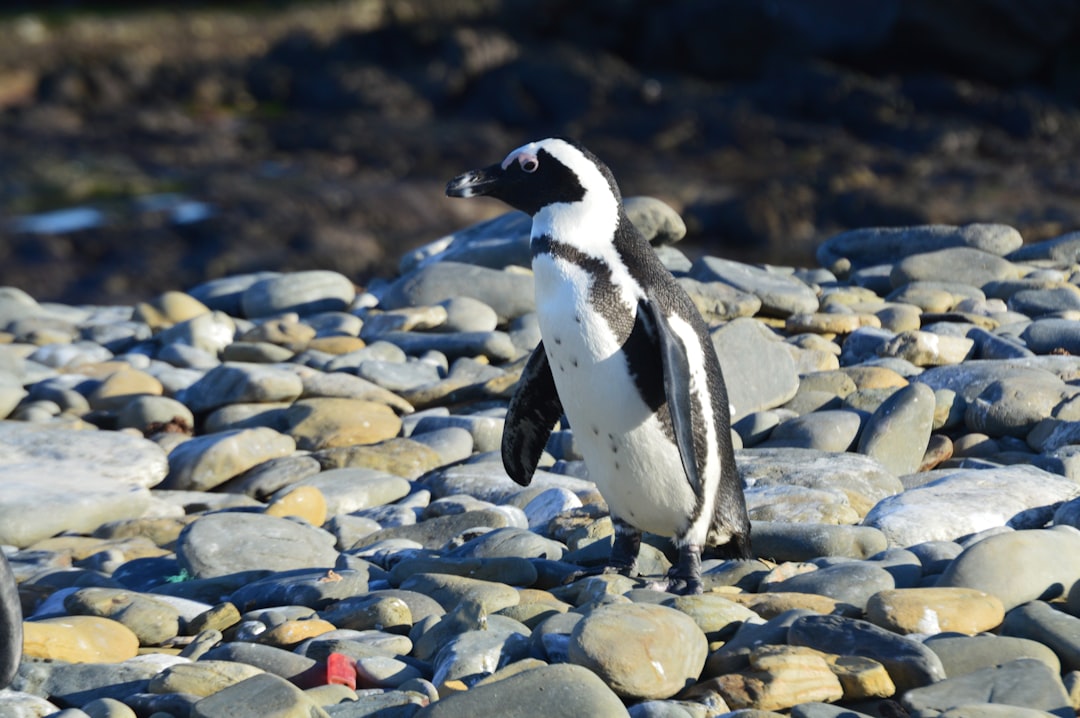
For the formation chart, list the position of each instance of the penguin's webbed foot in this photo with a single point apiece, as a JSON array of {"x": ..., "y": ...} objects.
[{"x": 684, "y": 578}]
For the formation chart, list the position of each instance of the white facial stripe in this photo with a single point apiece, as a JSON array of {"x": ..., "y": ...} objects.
[{"x": 587, "y": 224}]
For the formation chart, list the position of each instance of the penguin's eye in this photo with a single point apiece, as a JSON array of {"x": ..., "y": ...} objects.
[{"x": 529, "y": 164}]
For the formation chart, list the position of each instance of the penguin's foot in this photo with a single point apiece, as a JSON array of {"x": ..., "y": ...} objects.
[{"x": 684, "y": 578}]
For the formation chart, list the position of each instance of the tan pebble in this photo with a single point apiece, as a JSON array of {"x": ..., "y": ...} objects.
[
  {"x": 780, "y": 677},
  {"x": 874, "y": 377},
  {"x": 900, "y": 317},
  {"x": 168, "y": 309},
  {"x": 861, "y": 678},
  {"x": 305, "y": 502},
  {"x": 218, "y": 618},
  {"x": 447, "y": 688},
  {"x": 80, "y": 548},
  {"x": 290, "y": 633},
  {"x": 401, "y": 457},
  {"x": 286, "y": 331},
  {"x": 201, "y": 678},
  {"x": 337, "y": 345},
  {"x": 121, "y": 387},
  {"x": 829, "y": 323},
  {"x": 326, "y": 422},
  {"x": 938, "y": 450},
  {"x": 935, "y": 610},
  {"x": 79, "y": 639}
]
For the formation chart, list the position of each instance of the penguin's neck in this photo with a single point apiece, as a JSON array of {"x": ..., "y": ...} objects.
[{"x": 587, "y": 225}]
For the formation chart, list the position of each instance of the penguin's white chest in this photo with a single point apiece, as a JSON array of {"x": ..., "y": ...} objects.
[{"x": 636, "y": 467}]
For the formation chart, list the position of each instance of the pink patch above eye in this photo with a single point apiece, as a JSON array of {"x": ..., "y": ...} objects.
[{"x": 526, "y": 160}]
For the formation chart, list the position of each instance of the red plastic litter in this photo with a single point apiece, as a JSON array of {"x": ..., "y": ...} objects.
[{"x": 340, "y": 670}]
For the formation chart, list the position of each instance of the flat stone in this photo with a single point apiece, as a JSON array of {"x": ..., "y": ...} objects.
[
  {"x": 208, "y": 461},
  {"x": 717, "y": 616},
  {"x": 227, "y": 543},
  {"x": 928, "y": 349},
  {"x": 121, "y": 387},
  {"x": 565, "y": 690},
  {"x": 145, "y": 413},
  {"x": 347, "y": 386},
  {"x": 80, "y": 683},
  {"x": 209, "y": 333},
  {"x": 910, "y": 664},
  {"x": 260, "y": 696},
  {"x": 962, "y": 265},
  {"x": 782, "y": 541},
  {"x": 869, "y": 246},
  {"x": 1045, "y": 336},
  {"x": 961, "y": 655},
  {"x": 312, "y": 587},
  {"x": 398, "y": 456},
  {"x": 935, "y": 610},
  {"x": 641, "y": 651},
  {"x": 898, "y": 432},
  {"x": 152, "y": 621},
  {"x": 223, "y": 294},
  {"x": 79, "y": 639},
  {"x": 384, "y": 672},
  {"x": 114, "y": 456},
  {"x": 781, "y": 295},
  {"x": 297, "y": 669},
  {"x": 1013, "y": 407},
  {"x": 1023, "y": 683},
  {"x": 322, "y": 423},
  {"x": 957, "y": 504},
  {"x": 828, "y": 430},
  {"x": 465, "y": 314},
  {"x": 201, "y": 678},
  {"x": 862, "y": 479},
  {"x": 719, "y": 302},
  {"x": 302, "y": 502},
  {"x": 398, "y": 376},
  {"x": 77, "y": 498},
  {"x": 758, "y": 369},
  {"x": 370, "y": 612},
  {"x": 308, "y": 292},
  {"x": 852, "y": 583},
  {"x": 1039, "y": 621},
  {"x": 451, "y": 590},
  {"x": 509, "y": 293},
  {"x": 236, "y": 383},
  {"x": 471, "y": 656},
  {"x": 352, "y": 489},
  {"x": 780, "y": 677},
  {"x": 1018, "y": 566}
]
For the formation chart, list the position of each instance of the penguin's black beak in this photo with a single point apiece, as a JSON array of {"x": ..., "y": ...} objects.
[{"x": 476, "y": 183}]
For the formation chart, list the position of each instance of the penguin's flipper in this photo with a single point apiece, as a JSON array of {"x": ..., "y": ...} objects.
[
  {"x": 676, "y": 388},
  {"x": 533, "y": 411}
]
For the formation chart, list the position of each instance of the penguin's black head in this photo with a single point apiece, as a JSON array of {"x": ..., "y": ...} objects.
[{"x": 537, "y": 175}]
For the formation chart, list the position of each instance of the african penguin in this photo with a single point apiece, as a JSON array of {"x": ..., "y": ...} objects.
[{"x": 626, "y": 356}]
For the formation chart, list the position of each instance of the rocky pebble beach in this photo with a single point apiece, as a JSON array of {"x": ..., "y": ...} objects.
[{"x": 276, "y": 494}]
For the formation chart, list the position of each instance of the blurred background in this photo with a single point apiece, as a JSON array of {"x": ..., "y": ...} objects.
[{"x": 148, "y": 146}]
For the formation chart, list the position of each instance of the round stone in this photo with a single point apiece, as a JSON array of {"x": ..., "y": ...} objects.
[
  {"x": 327, "y": 422},
  {"x": 935, "y": 610},
  {"x": 79, "y": 639},
  {"x": 641, "y": 651},
  {"x": 305, "y": 293}
]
